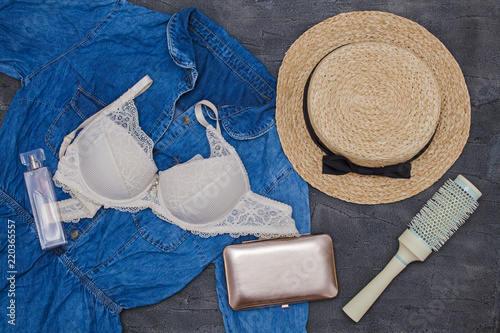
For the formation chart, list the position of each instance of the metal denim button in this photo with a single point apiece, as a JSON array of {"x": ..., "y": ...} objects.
[
  {"x": 186, "y": 120},
  {"x": 74, "y": 233}
]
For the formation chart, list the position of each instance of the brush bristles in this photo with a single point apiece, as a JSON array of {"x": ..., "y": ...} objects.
[{"x": 443, "y": 214}]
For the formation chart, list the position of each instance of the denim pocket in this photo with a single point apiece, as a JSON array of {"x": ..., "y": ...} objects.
[
  {"x": 161, "y": 234},
  {"x": 246, "y": 123},
  {"x": 82, "y": 105}
]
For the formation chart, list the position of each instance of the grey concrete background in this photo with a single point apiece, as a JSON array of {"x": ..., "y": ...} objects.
[{"x": 456, "y": 289}]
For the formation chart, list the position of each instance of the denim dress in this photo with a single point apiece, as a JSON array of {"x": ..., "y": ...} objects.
[{"x": 75, "y": 57}]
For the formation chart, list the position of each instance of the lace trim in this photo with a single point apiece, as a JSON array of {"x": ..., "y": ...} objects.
[
  {"x": 254, "y": 215},
  {"x": 127, "y": 117},
  {"x": 72, "y": 210},
  {"x": 218, "y": 146},
  {"x": 241, "y": 234}
]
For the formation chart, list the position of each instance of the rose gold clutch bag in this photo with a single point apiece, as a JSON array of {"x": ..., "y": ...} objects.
[{"x": 280, "y": 271}]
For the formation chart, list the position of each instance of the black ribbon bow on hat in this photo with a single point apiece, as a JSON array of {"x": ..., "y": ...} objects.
[{"x": 339, "y": 165}]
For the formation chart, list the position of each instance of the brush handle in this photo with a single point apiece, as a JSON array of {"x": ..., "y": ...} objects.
[
  {"x": 411, "y": 248},
  {"x": 358, "y": 306}
]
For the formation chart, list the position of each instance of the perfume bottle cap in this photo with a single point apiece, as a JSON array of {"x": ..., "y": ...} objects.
[{"x": 33, "y": 159}]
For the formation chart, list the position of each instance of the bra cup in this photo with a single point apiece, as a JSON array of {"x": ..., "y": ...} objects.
[
  {"x": 112, "y": 164},
  {"x": 203, "y": 191}
]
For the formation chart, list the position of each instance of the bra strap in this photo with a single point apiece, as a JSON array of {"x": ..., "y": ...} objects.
[
  {"x": 138, "y": 88},
  {"x": 132, "y": 93},
  {"x": 198, "y": 111}
]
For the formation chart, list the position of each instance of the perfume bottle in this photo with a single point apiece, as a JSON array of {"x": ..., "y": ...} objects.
[{"x": 43, "y": 200}]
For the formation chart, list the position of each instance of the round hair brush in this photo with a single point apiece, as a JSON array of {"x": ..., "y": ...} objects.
[{"x": 429, "y": 230}]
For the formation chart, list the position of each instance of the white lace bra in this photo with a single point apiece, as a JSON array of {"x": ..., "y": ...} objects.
[{"x": 110, "y": 164}]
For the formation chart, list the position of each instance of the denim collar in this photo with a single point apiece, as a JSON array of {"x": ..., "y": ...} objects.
[
  {"x": 180, "y": 44},
  {"x": 241, "y": 122}
]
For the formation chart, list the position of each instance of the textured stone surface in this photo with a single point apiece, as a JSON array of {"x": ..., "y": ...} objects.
[{"x": 458, "y": 288}]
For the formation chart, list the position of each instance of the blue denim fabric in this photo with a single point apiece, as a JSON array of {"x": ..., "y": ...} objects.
[{"x": 75, "y": 57}]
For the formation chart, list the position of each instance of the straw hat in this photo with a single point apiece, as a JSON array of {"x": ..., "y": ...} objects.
[{"x": 378, "y": 90}]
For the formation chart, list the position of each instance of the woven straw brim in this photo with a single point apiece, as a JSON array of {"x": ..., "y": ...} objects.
[{"x": 360, "y": 27}]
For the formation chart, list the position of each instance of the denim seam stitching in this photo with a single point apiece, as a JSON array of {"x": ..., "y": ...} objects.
[
  {"x": 164, "y": 248},
  {"x": 38, "y": 102},
  {"x": 52, "y": 126},
  {"x": 17, "y": 207},
  {"x": 74, "y": 47},
  {"x": 157, "y": 122},
  {"x": 169, "y": 111},
  {"x": 231, "y": 68},
  {"x": 230, "y": 115},
  {"x": 277, "y": 181},
  {"x": 92, "y": 96},
  {"x": 244, "y": 135},
  {"x": 236, "y": 56},
  {"x": 81, "y": 90},
  {"x": 237, "y": 112},
  {"x": 201, "y": 249},
  {"x": 171, "y": 45},
  {"x": 91, "y": 285},
  {"x": 73, "y": 104},
  {"x": 114, "y": 255},
  {"x": 178, "y": 135},
  {"x": 90, "y": 226}
]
